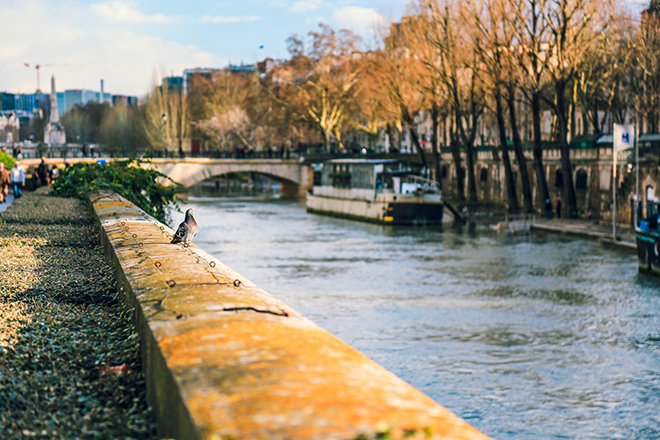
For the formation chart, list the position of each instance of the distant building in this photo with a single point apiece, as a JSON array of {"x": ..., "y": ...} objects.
[
  {"x": 129, "y": 100},
  {"x": 26, "y": 106},
  {"x": 173, "y": 83},
  {"x": 7, "y": 101},
  {"x": 31, "y": 102},
  {"x": 10, "y": 126}
]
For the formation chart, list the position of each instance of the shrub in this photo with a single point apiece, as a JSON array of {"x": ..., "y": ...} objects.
[
  {"x": 130, "y": 178},
  {"x": 7, "y": 160}
]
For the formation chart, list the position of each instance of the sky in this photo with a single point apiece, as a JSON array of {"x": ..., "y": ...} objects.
[{"x": 132, "y": 44}]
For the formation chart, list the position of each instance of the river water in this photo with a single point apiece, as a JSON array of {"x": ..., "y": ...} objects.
[{"x": 540, "y": 337}]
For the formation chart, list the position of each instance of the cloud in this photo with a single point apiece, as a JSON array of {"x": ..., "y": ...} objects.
[
  {"x": 82, "y": 48},
  {"x": 131, "y": 60},
  {"x": 357, "y": 18},
  {"x": 124, "y": 11},
  {"x": 306, "y": 5},
  {"x": 230, "y": 19}
]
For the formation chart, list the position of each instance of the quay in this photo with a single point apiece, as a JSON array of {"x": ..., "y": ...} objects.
[
  {"x": 591, "y": 230},
  {"x": 224, "y": 359}
]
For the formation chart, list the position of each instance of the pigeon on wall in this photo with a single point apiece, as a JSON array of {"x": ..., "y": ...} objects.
[{"x": 187, "y": 229}]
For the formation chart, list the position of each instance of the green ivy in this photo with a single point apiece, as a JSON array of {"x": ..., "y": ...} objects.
[
  {"x": 132, "y": 178},
  {"x": 7, "y": 160}
]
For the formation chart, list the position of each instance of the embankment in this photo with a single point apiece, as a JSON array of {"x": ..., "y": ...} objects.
[{"x": 224, "y": 359}]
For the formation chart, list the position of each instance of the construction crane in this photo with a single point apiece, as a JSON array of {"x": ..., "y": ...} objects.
[{"x": 39, "y": 66}]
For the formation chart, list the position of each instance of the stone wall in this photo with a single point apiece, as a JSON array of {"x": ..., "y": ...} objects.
[{"x": 224, "y": 359}]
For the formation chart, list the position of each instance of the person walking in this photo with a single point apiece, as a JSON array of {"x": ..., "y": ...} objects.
[
  {"x": 44, "y": 172},
  {"x": 558, "y": 208},
  {"x": 548, "y": 209},
  {"x": 18, "y": 179},
  {"x": 4, "y": 183}
]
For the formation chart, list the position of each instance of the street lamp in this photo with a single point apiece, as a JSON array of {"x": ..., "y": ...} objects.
[{"x": 164, "y": 133}]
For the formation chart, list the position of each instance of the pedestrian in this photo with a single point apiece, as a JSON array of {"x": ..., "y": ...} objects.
[
  {"x": 36, "y": 182},
  {"x": 548, "y": 208},
  {"x": 44, "y": 172},
  {"x": 558, "y": 208},
  {"x": 4, "y": 183},
  {"x": 54, "y": 173},
  {"x": 17, "y": 179}
]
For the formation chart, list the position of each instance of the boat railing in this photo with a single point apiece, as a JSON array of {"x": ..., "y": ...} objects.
[
  {"x": 344, "y": 193},
  {"x": 425, "y": 185}
]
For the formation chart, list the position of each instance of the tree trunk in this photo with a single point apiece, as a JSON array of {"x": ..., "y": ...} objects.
[
  {"x": 392, "y": 134},
  {"x": 456, "y": 154},
  {"x": 567, "y": 171},
  {"x": 541, "y": 180},
  {"x": 435, "y": 141},
  {"x": 506, "y": 161},
  {"x": 468, "y": 143},
  {"x": 409, "y": 120},
  {"x": 520, "y": 155}
]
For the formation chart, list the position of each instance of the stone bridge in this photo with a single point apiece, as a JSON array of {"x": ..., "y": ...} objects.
[{"x": 295, "y": 178}]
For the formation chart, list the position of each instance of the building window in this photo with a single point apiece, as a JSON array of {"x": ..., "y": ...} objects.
[
  {"x": 559, "y": 179},
  {"x": 581, "y": 180},
  {"x": 484, "y": 174}
]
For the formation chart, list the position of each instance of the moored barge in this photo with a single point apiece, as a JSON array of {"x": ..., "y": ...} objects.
[{"x": 375, "y": 190}]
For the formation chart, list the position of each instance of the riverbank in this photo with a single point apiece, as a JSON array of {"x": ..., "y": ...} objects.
[
  {"x": 69, "y": 359},
  {"x": 590, "y": 230}
]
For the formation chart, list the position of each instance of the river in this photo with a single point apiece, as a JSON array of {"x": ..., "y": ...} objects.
[{"x": 525, "y": 337}]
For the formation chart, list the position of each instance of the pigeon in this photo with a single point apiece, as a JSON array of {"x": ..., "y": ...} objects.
[{"x": 187, "y": 229}]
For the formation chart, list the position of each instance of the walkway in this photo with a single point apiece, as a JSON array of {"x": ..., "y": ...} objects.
[
  {"x": 70, "y": 363},
  {"x": 7, "y": 204},
  {"x": 589, "y": 229}
]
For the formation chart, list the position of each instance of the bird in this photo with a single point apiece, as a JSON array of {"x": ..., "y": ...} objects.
[{"x": 186, "y": 230}]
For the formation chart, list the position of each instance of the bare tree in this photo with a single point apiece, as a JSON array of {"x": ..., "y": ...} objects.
[
  {"x": 575, "y": 28},
  {"x": 398, "y": 67},
  {"x": 647, "y": 75},
  {"x": 166, "y": 121},
  {"x": 460, "y": 70},
  {"x": 533, "y": 34},
  {"x": 493, "y": 33},
  {"x": 319, "y": 83}
]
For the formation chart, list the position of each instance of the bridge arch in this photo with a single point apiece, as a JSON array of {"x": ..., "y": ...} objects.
[{"x": 295, "y": 178}]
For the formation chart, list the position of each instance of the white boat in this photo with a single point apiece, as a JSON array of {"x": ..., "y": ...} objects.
[{"x": 375, "y": 190}]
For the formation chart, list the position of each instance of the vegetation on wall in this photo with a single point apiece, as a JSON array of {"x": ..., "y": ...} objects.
[
  {"x": 132, "y": 178},
  {"x": 7, "y": 160}
]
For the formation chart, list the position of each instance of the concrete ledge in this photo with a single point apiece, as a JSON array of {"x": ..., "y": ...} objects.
[
  {"x": 226, "y": 360},
  {"x": 603, "y": 238}
]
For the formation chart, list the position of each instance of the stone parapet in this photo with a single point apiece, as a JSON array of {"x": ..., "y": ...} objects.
[{"x": 226, "y": 360}]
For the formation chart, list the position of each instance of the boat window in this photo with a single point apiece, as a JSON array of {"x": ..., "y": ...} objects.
[{"x": 650, "y": 193}]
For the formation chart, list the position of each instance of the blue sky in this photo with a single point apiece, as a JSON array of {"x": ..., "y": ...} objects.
[{"x": 130, "y": 44}]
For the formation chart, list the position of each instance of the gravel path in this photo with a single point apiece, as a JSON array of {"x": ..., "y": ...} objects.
[{"x": 69, "y": 359}]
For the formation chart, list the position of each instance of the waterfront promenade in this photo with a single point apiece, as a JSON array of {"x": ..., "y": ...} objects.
[{"x": 592, "y": 230}]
